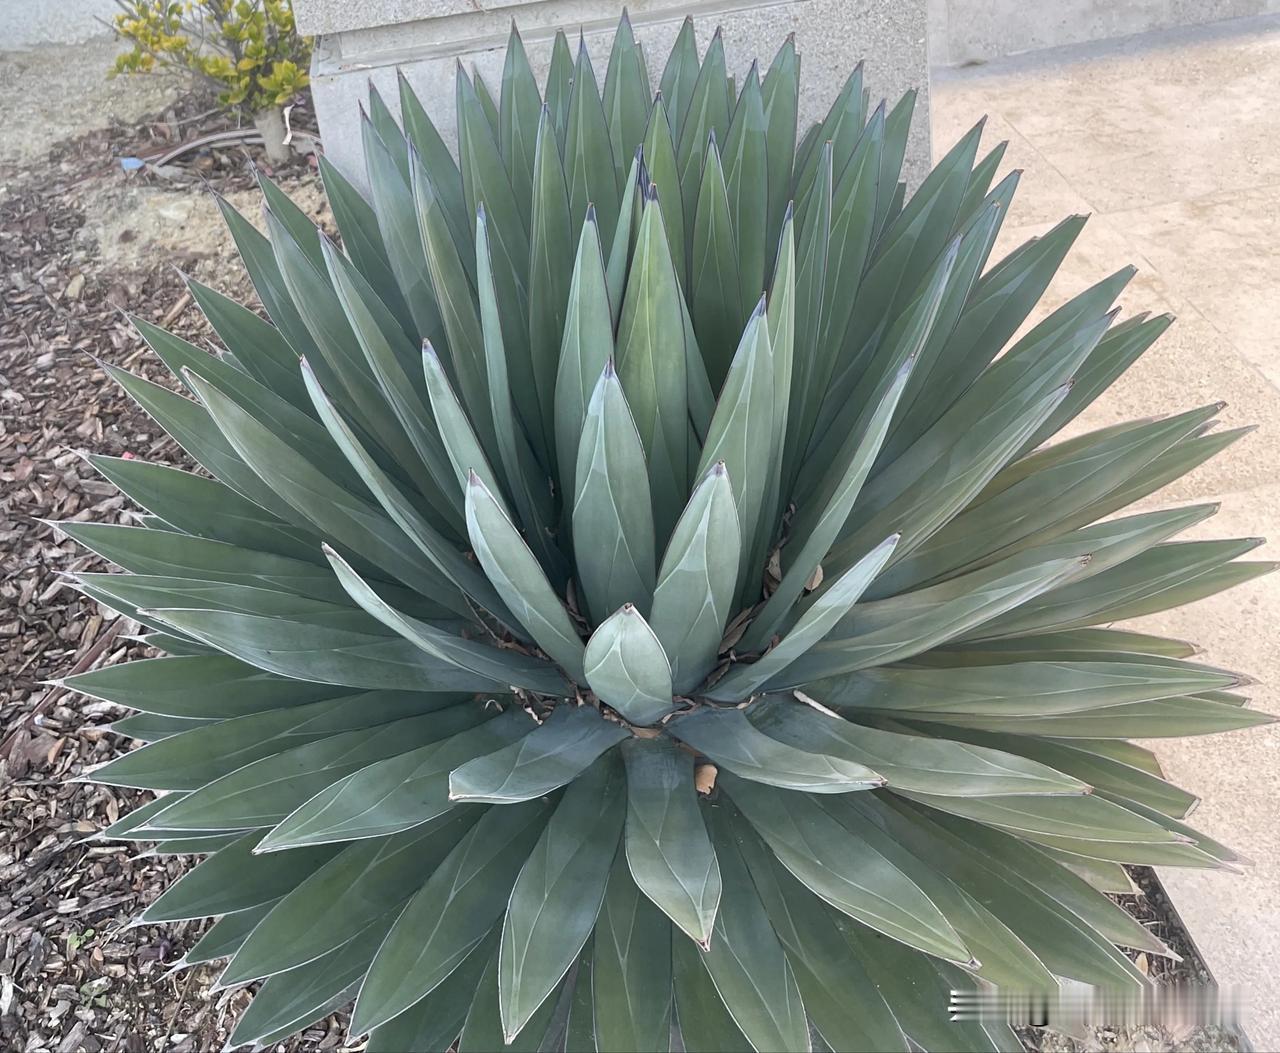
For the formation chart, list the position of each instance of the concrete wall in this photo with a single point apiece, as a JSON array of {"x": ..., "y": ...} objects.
[
  {"x": 963, "y": 32},
  {"x": 30, "y": 23},
  {"x": 364, "y": 42}
]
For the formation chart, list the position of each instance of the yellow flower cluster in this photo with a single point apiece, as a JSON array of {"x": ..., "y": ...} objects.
[{"x": 248, "y": 49}]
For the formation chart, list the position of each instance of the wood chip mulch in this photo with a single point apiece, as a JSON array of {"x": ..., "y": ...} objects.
[{"x": 72, "y": 976}]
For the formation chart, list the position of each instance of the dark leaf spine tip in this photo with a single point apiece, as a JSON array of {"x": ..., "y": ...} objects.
[
  {"x": 610, "y": 370},
  {"x": 591, "y": 212},
  {"x": 790, "y": 213},
  {"x": 759, "y": 310}
]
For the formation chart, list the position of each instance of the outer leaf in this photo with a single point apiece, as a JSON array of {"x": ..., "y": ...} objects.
[
  {"x": 587, "y": 347},
  {"x": 626, "y": 96},
  {"x": 696, "y": 581},
  {"x": 651, "y": 363},
  {"x": 659, "y": 154},
  {"x": 393, "y": 795},
  {"x": 235, "y": 879},
  {"x": 781, "y": 99},
  {"x": 612, "y": 510},
  {"x": 226, "y": 934},
  {"x": 194, "y": 758},
  {"x": 843, "y": 870},
  {"x": 341, "y": 899},
  {"x": 558, "y": 894},
  {"x": 560, "y": 83},
  {"x": 707, "y": 115},
  {"x": 194, "y": 430},
  {"x": 552, "y": 755},
  {"x": 631, "y": 968},
  {"x": 832, "y": 604},
  {"x": 555, "y": 218},
  {"x": 706, "y": 1026},
  {"x": 348, "y": 518},
  {"x": 517, "y": 575},
  {"x": 841, "y": 1000},
  {"x": 264, "y": 792},
  {"x": 731, "y": 740},
  {"x": 483, "y": 1030},
  {"x": 679, "y": 74},
  {"x": 212, "y": 686},
  {"x": 518, "y": 119},
  {"x": 258, "y": 345},
  {"x": 742, "y": 431},
  {"x": 747, "y": 962},
  {"x": 204, "y": 507},
  {"x": 499, "y": 666},
  {"x": 920, "y": 762},
  {"x": 922, "y": 619},
  {"x": 668, "y": 850},
  {"x": 718, "y": 311},
  {"x": 292, "y": 1000},
  {"x": 747, "y": 182},
  {"x": 1030, "y": 688},
  {"x": 816, "y": 531},
  {"x": 433, "y": 1024},
  {"x": 313, "y": 649},
  {"x": 589, "y": 160},
  {"x": 450, "y": 914}
]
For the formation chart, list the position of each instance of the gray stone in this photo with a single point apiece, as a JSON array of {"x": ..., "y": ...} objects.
[
  {"x": 32, "y": 23},
  {"x": 962, "y": 32},
  {"x": 832, "y": 36}
]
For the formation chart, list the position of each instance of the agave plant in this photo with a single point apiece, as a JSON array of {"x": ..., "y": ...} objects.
[{"x": 632, "y": 598}]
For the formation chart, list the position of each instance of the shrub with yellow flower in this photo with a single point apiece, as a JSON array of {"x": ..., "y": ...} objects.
[{"x": 249, "y": 51}]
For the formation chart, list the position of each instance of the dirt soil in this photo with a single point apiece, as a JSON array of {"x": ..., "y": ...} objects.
[{"x": 81, "y": 242}]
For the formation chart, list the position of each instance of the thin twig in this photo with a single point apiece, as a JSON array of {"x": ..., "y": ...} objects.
[{"x": 175, "y": 312}]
